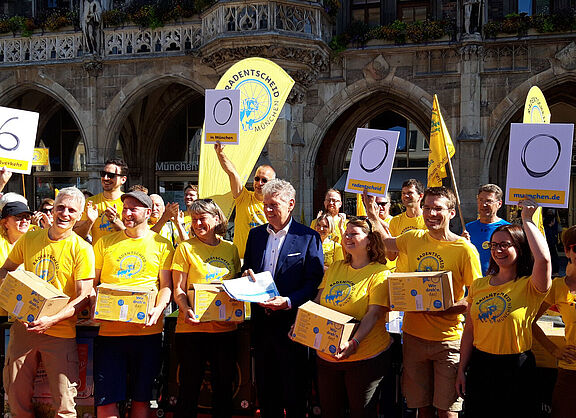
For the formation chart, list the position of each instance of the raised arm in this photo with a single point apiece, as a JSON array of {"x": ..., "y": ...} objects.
[
  {"x": 4, "y": 177},
  {"x": 542, "y": 270},
  {"x": 378, "y": 225},
  {"x": 235, "y": 180}
]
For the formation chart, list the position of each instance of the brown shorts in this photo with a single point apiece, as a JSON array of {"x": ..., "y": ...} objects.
[{"x": 429, "y": 373}]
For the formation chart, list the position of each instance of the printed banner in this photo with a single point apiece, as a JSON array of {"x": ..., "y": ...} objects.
[
  {"x": 371, "y": 162},
  {"x": 539, "y": 160},
  {"x": 264, "y": 87},
  {"x": 17, "y": 139}
]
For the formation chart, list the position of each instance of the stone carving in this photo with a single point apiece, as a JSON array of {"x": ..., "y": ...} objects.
[
  {"x": 40, "y": 48},
  {"x": 93, "y": 67},
  {"x": 91, "y": 26},
  {"x": 377, "y": 69},
  {"x": 473, "y": 10},
  {"x": 567, "y": 57},
  {"x": 471, "y": 51}
]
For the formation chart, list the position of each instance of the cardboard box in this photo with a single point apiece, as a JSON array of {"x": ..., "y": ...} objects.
[
  {"x": 322, "y": 328},
  {"x": 421, "y": 291},
  {"x": 124, "y": 303},
  {"x": 27, "y": 297},
  {"x": 557, "y": 336},
  {"x": 210, "y": 302}
]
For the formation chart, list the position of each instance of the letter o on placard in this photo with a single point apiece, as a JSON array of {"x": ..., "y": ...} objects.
[
  {"x": 222, "y": 111},
  {"x": 377, "y": 166},
  {"x": 538, "y": 174}
]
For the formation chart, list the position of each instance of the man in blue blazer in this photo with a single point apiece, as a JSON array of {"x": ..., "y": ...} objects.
[{"x": 292, "y": 253}]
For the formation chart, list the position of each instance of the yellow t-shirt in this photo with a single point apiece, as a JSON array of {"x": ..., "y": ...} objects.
[
  {"x": 424, "y": 253},
  {"x": 388, "y": 220},
  {"x": 133, "y": 262},
  {"x": 60, "y": 263},
  {"x": 565, "y": 300},
  {"x": 502, "y": 315},
  {"x": 169, "y": 231},
  {"x": 5, "y": 248},
  {"x": 249, "y": 213},
  {"x": 188, "y": 222},
  {"x": 332, "y": 252},
  {"x": 400, "y": 224},
  {"x": 350, "y": 291},
  {"x": 206, "y": 264},
  {"x": 102, "y": 225},
  {"x": 339, "y": 225}
]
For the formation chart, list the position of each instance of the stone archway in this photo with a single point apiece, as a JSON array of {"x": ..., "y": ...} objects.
[
  {"x": 336, "y": 123},
  {"x": 14, "y": 87},
  {"x": 557, "y": 86},
  {"x": 133, "y": 93}
]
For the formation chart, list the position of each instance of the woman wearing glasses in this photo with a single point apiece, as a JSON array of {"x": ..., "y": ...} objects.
[
  {"x": 332, "y": 205},
  {"x": 563, "y": 295},
  {"x": 356, "y": 286},
  {"x": 204, "y": 258},
  {"x": 331, "y": 249},
  {"x": 495, "y": 375}
]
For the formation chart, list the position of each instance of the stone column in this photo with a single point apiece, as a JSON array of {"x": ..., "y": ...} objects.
[
  {"x": 94, "y": 146},
  {"x": 470, "y": 137}
]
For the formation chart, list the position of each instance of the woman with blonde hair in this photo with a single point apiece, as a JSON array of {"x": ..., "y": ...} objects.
[
  {"x": 356, "y": 286},
  {"x": 204, "y": 258},
  {"x": 331, "y": 249}
]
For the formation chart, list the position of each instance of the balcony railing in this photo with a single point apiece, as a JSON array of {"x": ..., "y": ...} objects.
[{"x": 223, "y": 20}]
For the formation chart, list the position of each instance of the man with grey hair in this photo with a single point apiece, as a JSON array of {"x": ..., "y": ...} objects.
[
  {"x": 489, "y": 199},
  {"x": 66, "y": 261},
  {"x": 292, "y": 253}
]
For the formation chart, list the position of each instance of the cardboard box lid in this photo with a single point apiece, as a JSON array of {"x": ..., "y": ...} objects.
[
  {"x": 421, "y": 274},
  {"x": 42, "y": 287},
  {"x": 208, "y": 287},
  {"x": 327, "y": 313},
  {"x": 130, "y": 289}
]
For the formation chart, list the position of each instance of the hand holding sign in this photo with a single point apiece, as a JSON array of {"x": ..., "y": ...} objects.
[
  {"x": 17, "y": 138},
  {"x": 372, "y": 161}
]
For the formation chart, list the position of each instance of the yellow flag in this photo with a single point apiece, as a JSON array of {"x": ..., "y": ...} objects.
[
  {"x": 265, "y": 87},
  {"x": 360, "y": 209},
  {"x": 41, "y": 156},
  {"x": 439, "y": 140},
  {"x": 536, "y": 111}
]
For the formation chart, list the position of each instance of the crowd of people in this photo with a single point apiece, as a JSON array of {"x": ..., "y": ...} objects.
[{"x": 502, "y": 282}]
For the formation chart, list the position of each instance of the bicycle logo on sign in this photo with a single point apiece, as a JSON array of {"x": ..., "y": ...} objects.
[{"x": 6, "y": 147}]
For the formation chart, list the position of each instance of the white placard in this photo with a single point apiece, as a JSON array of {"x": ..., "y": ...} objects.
[
  {"x": 246, "y": 290},
  {"x": 222, "y": 116},
  {"x": 17, "y": 138},
  {"x": 539, "y": 160},
  {"x": 372, "y": 161}
]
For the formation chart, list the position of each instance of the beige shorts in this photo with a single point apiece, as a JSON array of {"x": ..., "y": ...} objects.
[
  {"x": 429, "y": 373},
  {"x": 60, "y": 359}
]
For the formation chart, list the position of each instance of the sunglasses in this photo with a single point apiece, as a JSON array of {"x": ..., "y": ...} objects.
[
  {"x": 382, "y": 204},
  {"x": 23, "y": 217},
  {"x": 262, "y": 179},
  {"x": 111, "y": 176},
  {"x": 363, "y": 218},
  {"x": 46, "y": 210}
]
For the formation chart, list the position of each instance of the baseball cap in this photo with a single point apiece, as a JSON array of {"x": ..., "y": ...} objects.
[
  {"x": 139, "y": 196},
  {"x": 15, "y": 208}
]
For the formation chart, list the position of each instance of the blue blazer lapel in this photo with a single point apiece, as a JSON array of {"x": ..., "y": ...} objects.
[{"x": 262, "y": 241}]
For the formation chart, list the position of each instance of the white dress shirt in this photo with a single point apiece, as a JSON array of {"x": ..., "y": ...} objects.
[{"x": 273, "y": 247}]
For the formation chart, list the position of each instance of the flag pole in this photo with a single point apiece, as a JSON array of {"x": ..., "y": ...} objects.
[{"x": 453, "y": 178}]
